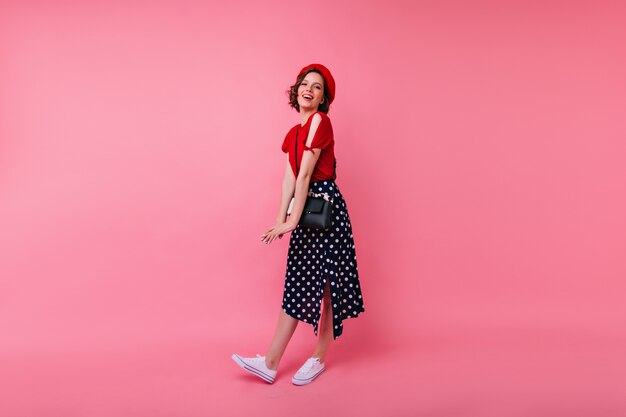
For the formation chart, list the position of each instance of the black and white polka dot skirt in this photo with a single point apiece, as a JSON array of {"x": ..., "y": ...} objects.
[{"x": 320, "y": 256}]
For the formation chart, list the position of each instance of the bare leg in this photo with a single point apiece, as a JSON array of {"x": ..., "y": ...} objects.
[
  {"x": 284, "y": 330},
  {"x": 326, "y": 328}
]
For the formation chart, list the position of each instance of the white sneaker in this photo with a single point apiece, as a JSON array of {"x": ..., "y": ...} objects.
[
  {"x": 256, "y": 366},
  {"x": 308, "y": 372}
]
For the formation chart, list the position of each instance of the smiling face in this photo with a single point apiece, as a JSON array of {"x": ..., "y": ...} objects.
[{"x": 311, "y": 91}]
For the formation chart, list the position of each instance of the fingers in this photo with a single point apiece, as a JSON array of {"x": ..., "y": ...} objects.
[
  {"x": 271, "y": 235},
  {"x": 268, "y": 236}
]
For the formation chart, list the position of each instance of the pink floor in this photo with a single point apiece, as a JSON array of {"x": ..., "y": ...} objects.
[{"x": 486, "y": 372}]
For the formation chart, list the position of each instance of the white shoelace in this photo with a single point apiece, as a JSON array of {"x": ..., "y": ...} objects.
[{"x": 308, "y": 365}]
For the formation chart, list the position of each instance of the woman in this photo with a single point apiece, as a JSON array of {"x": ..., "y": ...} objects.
[{"x": 321, "y": 264}]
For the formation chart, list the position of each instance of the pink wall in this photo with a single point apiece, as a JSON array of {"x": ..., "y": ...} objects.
[{"x": 480, "y": 149}]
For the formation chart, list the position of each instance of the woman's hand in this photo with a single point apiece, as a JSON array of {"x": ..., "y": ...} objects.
[{"x": 277, "y": 232}]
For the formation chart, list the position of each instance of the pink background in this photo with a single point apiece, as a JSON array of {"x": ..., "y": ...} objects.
[{"x": 481, "y": 150}]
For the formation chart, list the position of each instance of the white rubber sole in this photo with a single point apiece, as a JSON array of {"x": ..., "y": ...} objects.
[
  {"x": 297, "y": 381},
  {"x": 264, "y": 376}
]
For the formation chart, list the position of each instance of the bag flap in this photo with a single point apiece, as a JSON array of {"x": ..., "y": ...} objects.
[{"x": 314, "y": 205}]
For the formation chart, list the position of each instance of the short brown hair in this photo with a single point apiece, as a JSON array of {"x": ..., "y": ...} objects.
[{"x": 293, "y": 93}]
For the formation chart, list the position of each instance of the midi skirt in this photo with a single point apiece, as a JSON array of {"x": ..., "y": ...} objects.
[{"x": 317, "y": 257}]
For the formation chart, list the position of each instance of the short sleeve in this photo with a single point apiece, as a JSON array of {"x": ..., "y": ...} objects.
[
  {"x": 287, "y": 142},
  {"x": 323, "y": 135}
]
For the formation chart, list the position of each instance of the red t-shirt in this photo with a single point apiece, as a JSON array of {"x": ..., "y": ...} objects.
[{"x": 323, "y": 139}]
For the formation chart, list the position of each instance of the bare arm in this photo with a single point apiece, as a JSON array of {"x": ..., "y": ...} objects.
[
  {"x": 309, "y": 159},
  {"x": 299, "y": 191},
  {"x": 289, "y": 184}
]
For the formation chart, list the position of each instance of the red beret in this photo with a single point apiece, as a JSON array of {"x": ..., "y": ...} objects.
[{"x": 330, "y": 81}]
